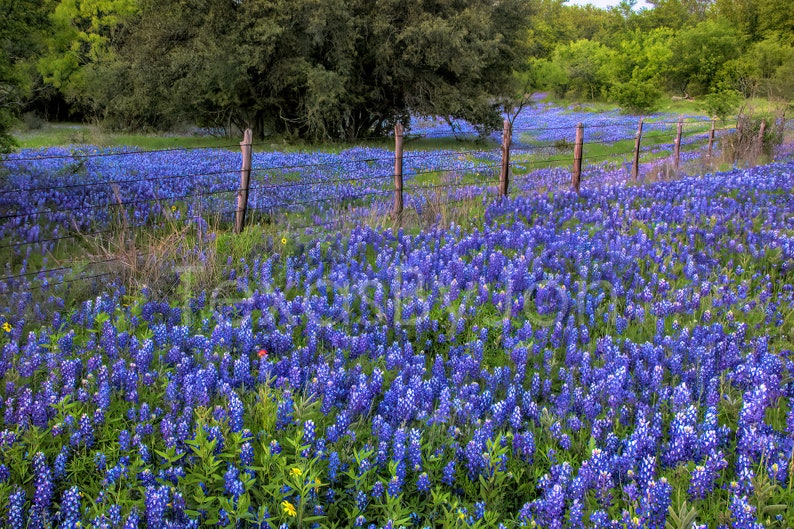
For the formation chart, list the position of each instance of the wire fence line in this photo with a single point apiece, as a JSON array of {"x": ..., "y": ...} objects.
[{"x": 346, "y": 183}]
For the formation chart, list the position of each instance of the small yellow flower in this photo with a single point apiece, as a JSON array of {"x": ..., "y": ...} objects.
[
  {"x": 173, "y": 208},
  {"x": 295, "y": 472},
  {"x": 289, "y": 509},
  {"x": 7, "y": 327},
  {"x": 317, "y": 484},
  {"x": 284, "y": 241}
]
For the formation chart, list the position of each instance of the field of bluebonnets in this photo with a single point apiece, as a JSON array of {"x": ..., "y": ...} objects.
[{"x": 620, "y": 358}]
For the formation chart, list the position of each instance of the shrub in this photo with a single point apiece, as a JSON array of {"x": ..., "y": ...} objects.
[
  {"x": 636, "y": 96},
  {"x": 722, "y": 103}
]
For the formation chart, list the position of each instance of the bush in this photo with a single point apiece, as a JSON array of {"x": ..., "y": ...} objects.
[
  {"x": 636, "y": 96},
  {"x": 722, "y": 103},
  {"x": 7, "y": 142}
]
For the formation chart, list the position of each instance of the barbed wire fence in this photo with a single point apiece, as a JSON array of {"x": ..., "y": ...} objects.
[{"x": 328, "y": 200}]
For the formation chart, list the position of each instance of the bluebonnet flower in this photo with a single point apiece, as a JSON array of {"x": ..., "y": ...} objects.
[
  {"x": 235, "y": 412},
  {"x": 448, "y": 474},
  {"x": 743, "y": 514},
  {"x": 16, "y": 508},
  {"x": 70, "y": 513},
  {"x": 114, "y": 515},
  {"x": 377, "y": 490},
  {"x": 232, "y": 484},
  {"x": 423, "y": 483},
  {"x": 156, "y": 500},
  {"x": 246, "y": 454},
  {"x": 43, "y": 488}
]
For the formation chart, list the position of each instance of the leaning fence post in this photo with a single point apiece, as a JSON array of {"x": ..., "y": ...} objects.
[
  {"x": 576, "y": 175},
  {"x": 677, "y": 146},
  {"x": 245, "y": 179},
  {"x": 760, "y": 144},
  {"x": 398, "y": 171},
  {"x": 507, "y": 139},
  {"x": 635, "y": 169},
  {"x": 711, "y": 138}
]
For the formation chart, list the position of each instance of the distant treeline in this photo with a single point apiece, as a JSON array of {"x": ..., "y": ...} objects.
[
  {"x": 714, "y": 50},
  {"x": 329, "y": 69}
]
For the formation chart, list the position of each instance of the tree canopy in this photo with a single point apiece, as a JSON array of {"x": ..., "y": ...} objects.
[
  {"x": 344, "y": 69},
  {"x": 309, "y": 68},
  {"x": 22, "y": 29},
  {"x": 692, "y": 48}
]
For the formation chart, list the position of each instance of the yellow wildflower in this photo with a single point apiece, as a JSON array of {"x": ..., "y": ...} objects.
[
  {"x": 289, "y": 509},
  {"x": 7, "y": 327},
  {"x": 284, "y": 241},
  {"x": 295, "y": 472},
  {"x": 173, "y": 208}
]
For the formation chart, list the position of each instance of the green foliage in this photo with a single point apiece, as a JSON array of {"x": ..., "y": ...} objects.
[
  {"x": 22, "y": 22},
  {"x": 347, "y": 69},
  {"x": 636, "y": 96},
  {"x": 643, "y": 55},
  {"x": 722, "y": 104},
  {"x": 81, "y": 38},
  {"x": 337, "y": 69},
  {"x": 7, "y": 142},
  {"x": 550, "y": 75},
  {"x": 586, "y": 66},
  {"x": 753, "y": 73},
  {"x": 683, "y": 518},
  {"x": 783, "y": 81},
  {"x": 699, "y": 54}
]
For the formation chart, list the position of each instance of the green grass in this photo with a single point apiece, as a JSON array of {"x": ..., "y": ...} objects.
[
  {"x": 63, "y": 134},
  {"x": 690, "y": 107},
  {"x": 666, "y": 104}
]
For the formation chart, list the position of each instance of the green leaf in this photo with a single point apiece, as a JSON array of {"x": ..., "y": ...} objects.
[{"x": 774, "y": 509}]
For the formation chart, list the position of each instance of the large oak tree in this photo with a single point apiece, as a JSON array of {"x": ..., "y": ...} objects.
[{"x": 316, "y": 69}]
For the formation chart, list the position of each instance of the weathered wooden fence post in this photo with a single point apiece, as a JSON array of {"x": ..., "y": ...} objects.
[
  {"x": 245, "y": 179},
  {"x": 504, "y": 175},
  {"x": 635, "y": 169},
  {"x": 677, "y": 146},
  {"x": 760, "y": 141},
  {"x": 398, "y": 171},
  {"x": 578, "y": 147},
  {"x": 711, "y": 139}
]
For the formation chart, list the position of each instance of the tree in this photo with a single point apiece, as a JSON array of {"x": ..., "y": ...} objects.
[
  {"x": 21, "y": 25},
  {"x": 782, "y": 83},
  {"x": 644, "y": 56},
  {"x": 751, "y": 73},
  {"x": 699, "y": 54},
  {"x": 743, "y": 15},
  {"x": 587, "y": 67},
  {"x": 777, "y": 19},
  {"x": 81, "y": 39},
  {"x": 331, "y": 69}
]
